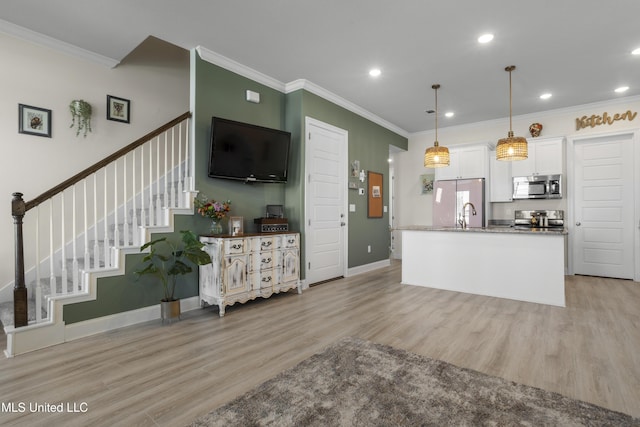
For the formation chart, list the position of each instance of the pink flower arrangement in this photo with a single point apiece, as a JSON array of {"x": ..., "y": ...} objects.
[{"x": 212, "y": 209}]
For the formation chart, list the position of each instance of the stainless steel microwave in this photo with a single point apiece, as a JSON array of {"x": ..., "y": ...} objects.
[{"x": 537, "y": 187}]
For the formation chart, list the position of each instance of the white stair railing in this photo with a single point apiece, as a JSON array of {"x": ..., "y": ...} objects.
[{"x": 139, "y": 182}]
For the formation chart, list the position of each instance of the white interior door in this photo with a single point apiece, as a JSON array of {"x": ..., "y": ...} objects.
[
  {"x": 602, "y": 235},
  {"x": 325, "y": 212}
]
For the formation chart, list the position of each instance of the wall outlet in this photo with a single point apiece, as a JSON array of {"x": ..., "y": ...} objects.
[{"x": 368, "y": 249}]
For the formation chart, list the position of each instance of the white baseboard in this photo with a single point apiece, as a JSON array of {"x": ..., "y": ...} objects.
[
  {"x": 368, "y": 267},
  {"x": 86, "y": 328}
]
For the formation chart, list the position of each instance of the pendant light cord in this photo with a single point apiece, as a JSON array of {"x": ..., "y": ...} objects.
[
  {"x": 436, "y": 114},
  {"x": 510, "y": 113},
  {"x": 510, "y": 68}
]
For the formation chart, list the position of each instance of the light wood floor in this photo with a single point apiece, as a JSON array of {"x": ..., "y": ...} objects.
[{"x": 168, "y": 375}]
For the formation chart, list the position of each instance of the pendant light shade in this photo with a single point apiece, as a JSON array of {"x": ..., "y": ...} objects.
[
  {"x": 512, "y": 147},
  {"x": 436, "y": 156}
]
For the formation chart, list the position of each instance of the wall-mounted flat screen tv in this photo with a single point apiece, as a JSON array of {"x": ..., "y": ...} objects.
[{"x": 248, "y": 152}]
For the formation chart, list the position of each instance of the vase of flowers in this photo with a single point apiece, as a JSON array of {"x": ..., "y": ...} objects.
[{"x": 214, "y": 210}]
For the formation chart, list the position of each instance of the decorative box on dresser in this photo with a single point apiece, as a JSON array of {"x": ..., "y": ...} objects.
[{"x": 249, "y": 266}]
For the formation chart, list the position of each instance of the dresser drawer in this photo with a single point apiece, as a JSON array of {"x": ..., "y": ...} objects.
[
  {"x": 264, "y": 279},
  {"x": 262, "y": 261},
  {"x": 289, "y": 241},
  {"x": 261, "y": 244},
  {"x": 234, "y": 246}
]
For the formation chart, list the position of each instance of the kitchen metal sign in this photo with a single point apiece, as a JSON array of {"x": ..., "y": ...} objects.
[{"x": 605, "y": 119}]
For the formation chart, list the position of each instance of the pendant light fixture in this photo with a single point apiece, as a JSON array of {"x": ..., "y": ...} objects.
[
  {"x": 512, "y": 147},
  {"x": 436, "y": 156}
]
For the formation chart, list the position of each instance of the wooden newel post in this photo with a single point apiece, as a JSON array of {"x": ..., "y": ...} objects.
[{"x": 20, "y": 309}]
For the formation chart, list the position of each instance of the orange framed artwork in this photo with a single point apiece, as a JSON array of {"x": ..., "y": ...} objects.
[{"x": 374, "y": 202}]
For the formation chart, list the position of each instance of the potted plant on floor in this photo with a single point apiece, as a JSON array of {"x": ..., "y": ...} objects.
[{"x": 167, "y": 260}]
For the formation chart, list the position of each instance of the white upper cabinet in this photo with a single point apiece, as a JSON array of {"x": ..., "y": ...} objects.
[
  {"x": 465, "y": 162},
  {"x": 546, "y": 157}
]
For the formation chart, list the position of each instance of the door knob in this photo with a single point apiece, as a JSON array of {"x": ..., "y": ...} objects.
[{"x": 578, "y": 223}]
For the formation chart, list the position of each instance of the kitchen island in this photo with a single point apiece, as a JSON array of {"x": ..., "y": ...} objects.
[{"x": 519, "y": 264}]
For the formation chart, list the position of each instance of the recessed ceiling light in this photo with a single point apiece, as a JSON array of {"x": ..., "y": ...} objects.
[
  {"x": 485, "y": 38},
  {"x": 622, "y": 89},
  {"x": 545, "y": 96},
  {"x": 375, "y": 72},
  {"x": 636, "y": 51},
  {"x": 448, "y": 114}
]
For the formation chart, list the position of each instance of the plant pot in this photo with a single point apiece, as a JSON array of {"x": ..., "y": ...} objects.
[{"x": 170, "y": 310}]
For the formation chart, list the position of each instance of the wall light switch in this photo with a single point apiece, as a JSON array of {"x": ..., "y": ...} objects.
[
  {"x": 384, "y": 208},
  {"x": 352, "y": 207},
  {"x": 361, "y": 191},
  {"x": 253, "y": 97}
]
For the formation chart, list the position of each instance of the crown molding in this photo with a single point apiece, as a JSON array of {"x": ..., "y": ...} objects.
[
  {"x": 58, "y": 45},
  {"x": 250, "y": 73},
  {"x": 539, "y": 115},
  {"x": 341, "y": 102},
  {"x": 238, "y": 68}
]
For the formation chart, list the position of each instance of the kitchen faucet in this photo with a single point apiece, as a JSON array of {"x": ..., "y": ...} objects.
[{"x": 463, "y": 217}]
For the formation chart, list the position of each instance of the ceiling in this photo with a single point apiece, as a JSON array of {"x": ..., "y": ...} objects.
[{"x": 578, "y": 50}]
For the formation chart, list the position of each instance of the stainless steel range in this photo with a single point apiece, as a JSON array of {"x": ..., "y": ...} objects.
[{"x": 539, "y": 219}]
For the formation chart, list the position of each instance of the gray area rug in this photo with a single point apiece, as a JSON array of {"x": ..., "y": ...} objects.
[{"x": 359, "y": 383}]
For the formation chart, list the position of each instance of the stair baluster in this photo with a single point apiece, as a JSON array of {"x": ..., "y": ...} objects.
[
  {"x": 134, "y": 214},
  {"x": 75, "y": 268},
  {"x": 38, "y": 289},
  {"x": 174, "y": 193},
  {"x": 64, "y": 277},
  {"x": 152, "y": 215},
  {"x": 125, "y": 215},
  {"x": 116, "y": 231},
  {"x": 105, "y": 220},
  {"x": 158, "y": 193},
  {"x": 53, "y": 288}
]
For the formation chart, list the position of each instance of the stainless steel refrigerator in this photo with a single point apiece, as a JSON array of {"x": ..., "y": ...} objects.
[{"x": 457, "y": 198}]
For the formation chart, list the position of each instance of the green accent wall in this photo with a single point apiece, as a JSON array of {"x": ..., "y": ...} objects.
[
  {"x": 368, "y": 143},
  {"x": 123, "y": 293},
  {"x": 219, "y": 92}
]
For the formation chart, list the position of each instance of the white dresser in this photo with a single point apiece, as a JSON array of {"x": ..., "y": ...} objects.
[{"x": 246, "y": 267}]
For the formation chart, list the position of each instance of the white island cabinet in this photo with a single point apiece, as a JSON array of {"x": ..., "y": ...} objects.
[
  {"x": 246, "y": 267},
  {"x": 502, "y": 262}
]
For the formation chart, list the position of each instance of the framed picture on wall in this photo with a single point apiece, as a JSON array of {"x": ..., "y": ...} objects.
[
  {"x": 34, "y": 121},
  {"x": 374, "y": 202},
  {"x": 118, "y": 109},
  {"x": 426, "y": 183}
]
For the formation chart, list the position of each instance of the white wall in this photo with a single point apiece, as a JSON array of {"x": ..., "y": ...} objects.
[
  {"x": 155, "y": 77},
  {"x": 412, "y": 208}
]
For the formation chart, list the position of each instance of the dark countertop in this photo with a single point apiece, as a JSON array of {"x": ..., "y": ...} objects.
[{"x": 491, "y": 229}]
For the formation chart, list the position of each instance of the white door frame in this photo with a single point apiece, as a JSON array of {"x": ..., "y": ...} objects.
[
  {"x": 344, "y": 178},
  {"x": 571, "y": 188}
]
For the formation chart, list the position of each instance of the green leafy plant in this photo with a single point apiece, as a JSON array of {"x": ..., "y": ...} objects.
[
  {"x": 167, "y": 260},
  {"x": 80, "y": 115}
]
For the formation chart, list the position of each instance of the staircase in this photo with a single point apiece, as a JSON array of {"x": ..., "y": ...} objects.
[{"x": 81, "y": 230}]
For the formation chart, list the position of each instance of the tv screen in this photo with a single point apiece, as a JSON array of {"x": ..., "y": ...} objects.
[{"x": 248, "y": 152}]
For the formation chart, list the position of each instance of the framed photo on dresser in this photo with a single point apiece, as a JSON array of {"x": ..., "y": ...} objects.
[{"x": 235, "y": 225}]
